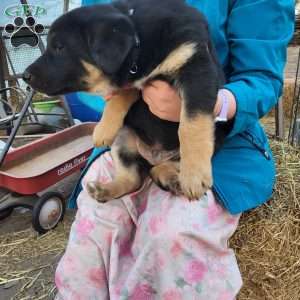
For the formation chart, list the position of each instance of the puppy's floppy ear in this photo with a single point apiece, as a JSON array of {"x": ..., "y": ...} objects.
[{"x": 110, "y": 41}]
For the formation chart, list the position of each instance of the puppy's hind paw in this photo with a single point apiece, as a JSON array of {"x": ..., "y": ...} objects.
[
  {"x": 172, "y": 185},
  {"x": 96, "y": 191},
  {"x": 166, "y": 177}
]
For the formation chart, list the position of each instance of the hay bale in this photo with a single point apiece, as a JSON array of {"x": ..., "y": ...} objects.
[
  {"x": 267, "y": 242},
  {"x": 287, "y": 98},
  {"x": 296, "y": 37}
]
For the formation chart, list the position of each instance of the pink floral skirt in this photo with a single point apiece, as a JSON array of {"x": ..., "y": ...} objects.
[{"x": 148, "y": 245}]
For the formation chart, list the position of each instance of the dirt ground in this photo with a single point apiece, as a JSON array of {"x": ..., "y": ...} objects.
[{"x": 28, "y": 260}]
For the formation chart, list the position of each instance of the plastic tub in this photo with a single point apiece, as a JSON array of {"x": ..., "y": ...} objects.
[
  {"x": 45, "y": 106},
  {"x": 85, "y": 107}
]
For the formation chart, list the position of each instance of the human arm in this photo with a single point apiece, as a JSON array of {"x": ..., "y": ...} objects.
[
  {"x": 164, "y": 101},
  {"x": 257, "y": 51},
  {"x": 258, "y": 34}
]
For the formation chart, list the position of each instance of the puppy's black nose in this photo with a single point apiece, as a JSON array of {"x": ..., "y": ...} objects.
[{"x": 27, "y": 77}]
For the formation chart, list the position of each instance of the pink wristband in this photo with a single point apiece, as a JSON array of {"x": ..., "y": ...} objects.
[{"x": 222, "y": 117}]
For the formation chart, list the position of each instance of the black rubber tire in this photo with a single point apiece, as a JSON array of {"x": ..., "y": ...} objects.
[
  {"x": 38, "y": 207},
  {"x": 6, "y": 213}
]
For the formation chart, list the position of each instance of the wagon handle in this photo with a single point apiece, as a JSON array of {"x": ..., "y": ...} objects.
[{"x": 17, "y": 125}]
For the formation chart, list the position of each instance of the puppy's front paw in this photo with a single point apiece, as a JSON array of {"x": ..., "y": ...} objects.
[
  {"x": 96, "y": 191},
  {"x": 104, "y": 135},
  {"x": 168, "y": 183},
  {"x": 195, "y": 181}
]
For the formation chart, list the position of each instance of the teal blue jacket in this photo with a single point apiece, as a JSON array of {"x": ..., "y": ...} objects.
[{"x": 251, "y": 38}]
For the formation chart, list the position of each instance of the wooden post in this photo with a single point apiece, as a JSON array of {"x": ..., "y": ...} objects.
[
  {"x": 2, "y": 66},
  {"x": 14, "y": 97},
  {"x": 2, "y": 76},
  {"x": 279, "y": 120},
  {"x": 66, "y": 6}
]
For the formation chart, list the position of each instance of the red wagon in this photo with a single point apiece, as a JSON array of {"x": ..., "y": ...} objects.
[{"x": 31, "y": 169}]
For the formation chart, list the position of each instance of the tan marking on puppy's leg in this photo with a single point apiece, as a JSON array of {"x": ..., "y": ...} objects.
[
  {"x": 126, "y": 179},
  {"x": 97, "y": 81},
  {"x": 113, "y": 117},
  {"x": 166, "y": 176},
  {"x": 172, "y": 63},
  {"x": 196, "y": 135}
]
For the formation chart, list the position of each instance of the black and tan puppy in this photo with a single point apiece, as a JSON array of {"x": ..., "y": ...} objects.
[{"x": 107, "y": 48}]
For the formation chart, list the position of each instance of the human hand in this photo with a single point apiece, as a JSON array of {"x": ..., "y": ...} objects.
[{"x": 164, "y": 101}]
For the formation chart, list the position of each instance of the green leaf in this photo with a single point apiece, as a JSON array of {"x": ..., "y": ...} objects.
[
  {"x": 203, "y": 204},
  {"x": 188, "y": 254},
  {"x": 180, "y": 282},
  {"x": 229, "y": 285},
  {"x": 124, "y": 294},
  {"x": 198, "y": 288}
]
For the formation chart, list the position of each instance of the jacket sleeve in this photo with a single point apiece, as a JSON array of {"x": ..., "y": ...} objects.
[{"x": 258, "y": 33}]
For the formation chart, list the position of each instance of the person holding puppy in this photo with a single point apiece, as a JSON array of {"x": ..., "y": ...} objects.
[{"x": 154, "y": 245}]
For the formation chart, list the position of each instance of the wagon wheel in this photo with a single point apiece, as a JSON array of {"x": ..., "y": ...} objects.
[
  {"x": 48, "y": 211},
  {"x": 4, "y": 213}
]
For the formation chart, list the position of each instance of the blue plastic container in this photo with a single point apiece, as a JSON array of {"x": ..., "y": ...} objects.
[
  {"x": 91, "y": 2},
  {"x": 85, "y": 107}
]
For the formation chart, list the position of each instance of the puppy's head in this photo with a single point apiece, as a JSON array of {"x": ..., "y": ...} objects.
[{"x": 85, "y": 50}]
